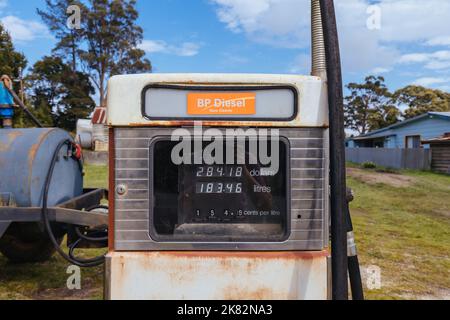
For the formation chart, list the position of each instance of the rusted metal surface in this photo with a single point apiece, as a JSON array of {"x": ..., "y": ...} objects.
[
  {"x": 99, "y": 116},
  {"x": 68, "y": 212},
  {"x": 89, "y": 199},
  {"x": 100, "y": 130},
  {"x": 217, "y": 276},
  {"x": 445, "y": 139},
  {"x": 25, "y": 156},
  {"x": 225, "y": 124},
  {"x": 127, "y": 91},
  {"x": 61, "y": 215},
  {"x": 11, "y": 137}
]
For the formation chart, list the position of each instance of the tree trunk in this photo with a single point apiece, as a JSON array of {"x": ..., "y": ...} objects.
[{"x": 102, "y": 87}]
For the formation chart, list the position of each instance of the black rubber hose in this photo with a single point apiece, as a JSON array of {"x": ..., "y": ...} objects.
[
  {"x": 70, "y": 258},
  {"x": 355, "y": 278},
  {"x": 90, "y": 238},
  {"x": 337, "y": 153},
  {"x": 81, "y": 262},
  {"x": 353, "y": 261}
]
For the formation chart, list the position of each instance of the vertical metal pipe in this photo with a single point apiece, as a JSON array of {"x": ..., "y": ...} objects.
[
  {"x": 337, "y": 153},
  {"x": 318, "y": 56}
]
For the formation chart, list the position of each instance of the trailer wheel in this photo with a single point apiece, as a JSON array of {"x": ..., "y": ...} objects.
[{"x": 28, "y": 243}]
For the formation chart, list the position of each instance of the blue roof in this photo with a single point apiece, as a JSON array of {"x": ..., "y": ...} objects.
[{"x": 389, "y": 131}]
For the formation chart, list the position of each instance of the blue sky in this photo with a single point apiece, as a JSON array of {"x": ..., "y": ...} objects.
[{"x": 406, "y": 41}]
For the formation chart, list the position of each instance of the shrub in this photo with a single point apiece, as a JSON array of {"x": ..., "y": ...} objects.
[{"x": 369, "y": 165}]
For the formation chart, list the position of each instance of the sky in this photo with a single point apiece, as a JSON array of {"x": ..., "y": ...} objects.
[{"x": 405, "y": 41}]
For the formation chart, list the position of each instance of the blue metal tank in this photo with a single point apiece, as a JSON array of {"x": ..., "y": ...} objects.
[{"x": 25, "y": 156}]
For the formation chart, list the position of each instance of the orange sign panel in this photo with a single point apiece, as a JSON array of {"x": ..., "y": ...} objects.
[{"x": 225, "y": 103}]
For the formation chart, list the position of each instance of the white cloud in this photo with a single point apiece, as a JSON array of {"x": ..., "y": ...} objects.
[
  {"x": 275, "y": 22},
  {"x": 286, "y": 23},
  {"x": 186, "y": 49},
  {"x": 439, "y": 41},
  {"x": 152, "y": 46},
  {"x": 430, "y": 81},
  {"x": 439, "y": 60},
  {"x": 23, "y": 30},
  {"x": 413, "y": 20},
  {"x": 380, "y": 70},
  {"x": 413, "y": 58}
]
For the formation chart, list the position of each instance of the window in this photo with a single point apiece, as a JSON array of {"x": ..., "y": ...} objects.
[
  {"x": 218, "y": 203},
  {"x": 413, "y": 142},
  {"x": 220, "y": 102}
]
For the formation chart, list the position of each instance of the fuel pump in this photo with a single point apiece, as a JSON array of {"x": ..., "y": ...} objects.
[{"x": 223, "y": 186}]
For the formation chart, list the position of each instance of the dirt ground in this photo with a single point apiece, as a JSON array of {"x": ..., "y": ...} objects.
[{"x": 373, "y": 178}]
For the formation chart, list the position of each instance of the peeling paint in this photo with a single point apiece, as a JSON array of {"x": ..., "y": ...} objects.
[
  {"x": 12, "y": 136},
  {"x": 218, "y": 275}
]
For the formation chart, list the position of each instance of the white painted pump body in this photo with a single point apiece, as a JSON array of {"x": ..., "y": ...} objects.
[{"x": 162, "y": 275}]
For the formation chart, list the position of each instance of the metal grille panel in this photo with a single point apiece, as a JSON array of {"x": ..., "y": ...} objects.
[{"x": 309, "y": 193}]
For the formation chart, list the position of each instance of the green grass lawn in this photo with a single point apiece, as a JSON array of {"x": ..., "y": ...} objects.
[
  {"x": 405, "y": 230},
  {"x": 402, "y": 225}
]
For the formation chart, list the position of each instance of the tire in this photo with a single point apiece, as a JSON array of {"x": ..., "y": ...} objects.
[{"x": 28, "y": 243}]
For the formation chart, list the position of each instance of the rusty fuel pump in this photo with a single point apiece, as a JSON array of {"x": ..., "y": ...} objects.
[{"x": 188, "y": 221}]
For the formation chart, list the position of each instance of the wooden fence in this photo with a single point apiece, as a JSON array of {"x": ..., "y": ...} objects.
[{"x": 418, "y": 159}]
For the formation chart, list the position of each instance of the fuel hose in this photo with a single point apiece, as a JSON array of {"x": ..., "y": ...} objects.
[
  {"x": 339, "y": 259},
  {"x": 71, "y": 258},
  {"x": 352, "y": 254},
  {"x": 345, "y": 262}
]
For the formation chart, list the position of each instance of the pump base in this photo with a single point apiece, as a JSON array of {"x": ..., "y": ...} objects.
[{"x": 217, "y": 276}]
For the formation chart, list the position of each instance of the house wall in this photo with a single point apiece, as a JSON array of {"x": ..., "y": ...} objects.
[
  {"x": 428, "y": 128},
  {"x": 351, "y": 144},
  {"x": 390, "y": 142}
]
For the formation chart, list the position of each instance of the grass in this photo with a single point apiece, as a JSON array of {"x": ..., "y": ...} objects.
[
  {"x": 406, "y": 232},
  {"x": 403, "y": 230},
  {"x": 96, "y": 177}
]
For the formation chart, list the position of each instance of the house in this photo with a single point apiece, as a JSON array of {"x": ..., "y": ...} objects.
[
  {"x": 440, "y": 153},
  {"x": 408, "y": 134}
]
